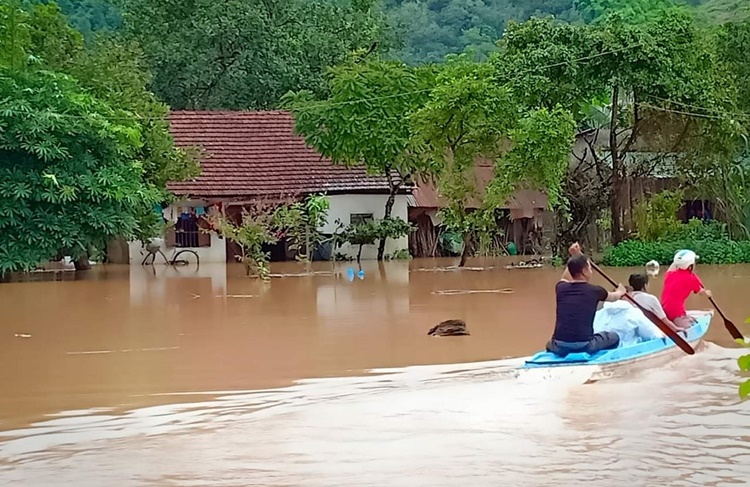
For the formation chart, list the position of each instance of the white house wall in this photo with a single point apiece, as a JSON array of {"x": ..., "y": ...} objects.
[
  {"x": 215, "y": 254},
  {"x": 343, "y": 206}
]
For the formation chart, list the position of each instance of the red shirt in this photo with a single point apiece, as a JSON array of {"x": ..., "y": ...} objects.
[{"x": 678, "y": 284}]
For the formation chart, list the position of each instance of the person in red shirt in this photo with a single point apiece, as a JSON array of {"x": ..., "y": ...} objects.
[{"x": 679, "y": 282}]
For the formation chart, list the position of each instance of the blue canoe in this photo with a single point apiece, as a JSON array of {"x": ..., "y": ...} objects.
[{"x": 623, "y": 354}]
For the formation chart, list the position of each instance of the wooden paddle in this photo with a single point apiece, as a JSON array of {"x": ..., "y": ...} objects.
[
  {"x": 677, "y": 339},
  {"x": 728, "y": 324}
]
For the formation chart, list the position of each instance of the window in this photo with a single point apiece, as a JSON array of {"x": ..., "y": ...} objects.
[
  {"x": 359, "y": 218},
  {"x": 187, "y": 233}
]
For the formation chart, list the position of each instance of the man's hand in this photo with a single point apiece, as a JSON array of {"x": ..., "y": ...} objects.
[
  {"x": 621, "y": 290},
  {"x": 574, "y": 249},
  {"x": 707, "y": 292}
]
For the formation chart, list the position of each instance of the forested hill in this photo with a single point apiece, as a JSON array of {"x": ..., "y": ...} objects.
[
  {"x": 430, "y": 29},
  {"x": 89, "y": 16}
]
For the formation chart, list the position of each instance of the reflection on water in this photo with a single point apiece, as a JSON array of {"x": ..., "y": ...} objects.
[{"x": 131, "y": 378}]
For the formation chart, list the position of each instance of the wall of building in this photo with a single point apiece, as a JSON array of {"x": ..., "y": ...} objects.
[
  {"x": 346, "y": 205},
  {"x": 213, "y": 254}
]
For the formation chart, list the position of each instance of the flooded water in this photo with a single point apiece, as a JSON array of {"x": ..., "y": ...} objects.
[{"x": 201, "y": 377}]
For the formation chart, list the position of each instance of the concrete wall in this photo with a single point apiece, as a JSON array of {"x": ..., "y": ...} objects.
[{"x": 343, "y": 206}]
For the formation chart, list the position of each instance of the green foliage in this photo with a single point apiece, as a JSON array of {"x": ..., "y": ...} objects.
[
  {"x": 633, "y": 11},
  {"x": 469, "y": 119},
  {"x": 744, "y": 364},
  {"x": 362, "y": 120},
  {"x": 656, "y": 217},
  {"x": 632, "y": 253},
  {"x": 112, "y": 71},
  {"x": 371, "y": 231},
  {"x": 538, "y": 158},
  {"x": 261, "y": 223},
  {"x": 433, "y": 29},
  {"x": 69, "y": 174},
  {"x": 301, "y": 222},
  {"x": 239, "y": 54}
]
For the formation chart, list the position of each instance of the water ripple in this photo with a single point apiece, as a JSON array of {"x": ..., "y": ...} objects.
[{"x": 468, "y": 424}]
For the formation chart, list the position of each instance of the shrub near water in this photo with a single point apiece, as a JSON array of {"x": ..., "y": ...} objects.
[{"x": 710, "y": 241}]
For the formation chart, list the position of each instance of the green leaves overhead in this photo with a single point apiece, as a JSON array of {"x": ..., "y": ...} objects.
[
  {"x": 68, "y": 168},
  {"x": 364, "y": 119},
  {"x": 85, "y": 149},
  {"x": 243, "y": 54}
]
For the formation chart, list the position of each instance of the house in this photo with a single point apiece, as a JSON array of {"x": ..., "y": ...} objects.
[
  {"x": 522, "y": 217},
  {"x": 251, "y": 156}
]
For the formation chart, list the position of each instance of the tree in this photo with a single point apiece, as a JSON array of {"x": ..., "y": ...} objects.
[
  {"x": 470, "y": 118},
  {"x": 372, "y": 231},
  {"x": 302, "y": 221},
  {"x": 260, "y": 225},
  {"x": 644, "y": 71},
  {"x": 114, "y": 73},
  {"x": 242, "y": 54},
  {"x": 69, "y": 169},
  {"x": 364, "y": 120}
]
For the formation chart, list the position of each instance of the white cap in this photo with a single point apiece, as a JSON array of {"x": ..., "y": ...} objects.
[{"x": 684, "y": 259}]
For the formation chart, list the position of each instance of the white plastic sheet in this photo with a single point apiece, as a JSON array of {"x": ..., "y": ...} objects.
[{"x": 627, "y": 321}]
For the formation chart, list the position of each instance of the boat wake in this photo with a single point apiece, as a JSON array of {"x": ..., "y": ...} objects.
[{"x": 439, "y": 425}]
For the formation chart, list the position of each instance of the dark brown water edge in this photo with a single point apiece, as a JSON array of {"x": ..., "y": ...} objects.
[{"x": 128, "y": 337}]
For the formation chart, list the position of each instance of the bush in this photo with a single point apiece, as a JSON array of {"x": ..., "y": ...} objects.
[
  {"x": 633, "y": 253},
  {"x": 709, "y": 240}
]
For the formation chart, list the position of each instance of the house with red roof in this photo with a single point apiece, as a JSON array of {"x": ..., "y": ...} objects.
[{"x": 249, "y": 156}]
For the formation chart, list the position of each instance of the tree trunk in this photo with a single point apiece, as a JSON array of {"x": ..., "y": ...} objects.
[
  {"x": 82, "y": 263},
  {"x": 616, "y": 186},
  {"x": 388, "y": 210},
  {"x": 465, "y": 252},
  {"x": 359, "y": 254}
]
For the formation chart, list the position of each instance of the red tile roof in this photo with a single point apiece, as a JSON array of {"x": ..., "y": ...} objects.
[
  {"x": 250, "y": 154},
  {"x": 426, "y": 195}
]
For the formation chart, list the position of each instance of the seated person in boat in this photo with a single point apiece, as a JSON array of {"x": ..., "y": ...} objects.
[
  {"x": 679, "y": 282},
  {"x": 577, "y": 302},
  {"x": 627, "y": 320},
  {"x": 639, "y": 285}
]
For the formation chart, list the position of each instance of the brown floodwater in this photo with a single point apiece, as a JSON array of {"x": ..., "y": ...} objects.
[{"x": 200, "y": 376}]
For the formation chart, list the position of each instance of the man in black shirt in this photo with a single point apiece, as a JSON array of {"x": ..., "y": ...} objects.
[{"x": 577, "y": 301}]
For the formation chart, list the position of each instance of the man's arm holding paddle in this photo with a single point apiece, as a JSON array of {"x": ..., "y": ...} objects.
[{"x": 613, "y": 296}]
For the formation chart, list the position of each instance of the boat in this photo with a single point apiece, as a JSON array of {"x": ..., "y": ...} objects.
[{"x": 606, "y": 363}]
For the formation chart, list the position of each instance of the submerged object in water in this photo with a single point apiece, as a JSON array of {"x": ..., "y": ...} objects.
[
  {"x": 449, "y": 328},
  {"x": 626, "y": 354}
]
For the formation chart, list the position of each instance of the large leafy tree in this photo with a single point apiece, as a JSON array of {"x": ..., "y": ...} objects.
[
  {"x": 69, "y": 174},
  {"x": 38, "y": 40},
  {"x": 632, "y": 76},
  {"x": 365, "y": 120},
  {"x": 246, "y": 54},
  {"x": 470, "y": 118}
]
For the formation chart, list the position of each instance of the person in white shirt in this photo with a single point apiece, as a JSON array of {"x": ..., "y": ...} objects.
[{"x": 639, "y": 283}]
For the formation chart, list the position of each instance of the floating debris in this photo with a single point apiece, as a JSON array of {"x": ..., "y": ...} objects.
[
  {"x": 22, "y": 335},
  {"x": 455, "y": 292},
  {"x": 531, "y": 264},
  {"x": 453, "y": 269},
  {"x": 449, "y": 328}
]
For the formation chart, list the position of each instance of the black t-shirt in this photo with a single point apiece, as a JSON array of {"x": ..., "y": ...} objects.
[{"x": 576, "y": 307}]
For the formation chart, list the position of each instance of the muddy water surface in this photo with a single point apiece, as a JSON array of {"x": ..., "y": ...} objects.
[{"x": 139, "y": 376}]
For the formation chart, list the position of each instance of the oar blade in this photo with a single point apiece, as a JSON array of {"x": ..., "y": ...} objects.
[
  {"x": 736, "y": 334},
  {"x": 731, "y": 328}
]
